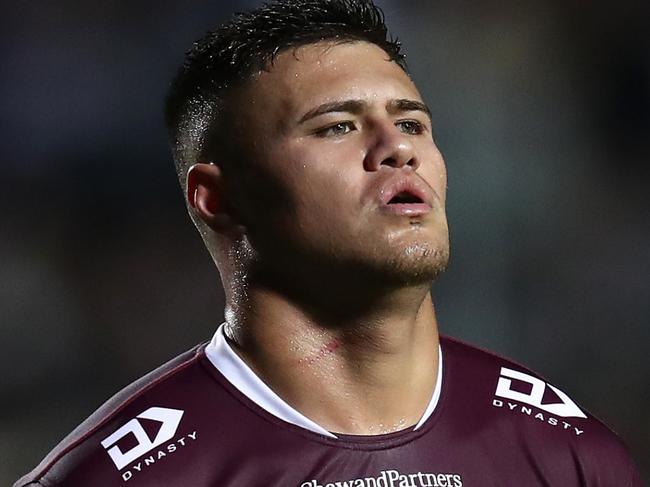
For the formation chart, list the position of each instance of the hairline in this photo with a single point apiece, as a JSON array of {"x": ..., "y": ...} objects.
[{"x": 226, "y": 94}]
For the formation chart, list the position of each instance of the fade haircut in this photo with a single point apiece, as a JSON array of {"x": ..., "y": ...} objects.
[{"x": 226, "y": 58}]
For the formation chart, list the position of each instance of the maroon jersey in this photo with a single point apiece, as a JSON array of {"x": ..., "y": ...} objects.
[{"x": 204, "y": 419}]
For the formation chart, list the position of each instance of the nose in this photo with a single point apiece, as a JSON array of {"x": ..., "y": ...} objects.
[{"x": 390, "y": 147}]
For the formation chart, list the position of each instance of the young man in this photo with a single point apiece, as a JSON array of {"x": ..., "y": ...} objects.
[{"x": 306, "y": 156}]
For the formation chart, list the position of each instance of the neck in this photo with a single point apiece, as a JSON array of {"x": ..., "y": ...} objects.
[{"x": 367, "y": 369}]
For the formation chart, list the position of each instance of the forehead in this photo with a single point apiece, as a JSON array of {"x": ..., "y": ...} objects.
[
  {"x": 318, "y": 73},
  {"x": 327, "y": 57}
]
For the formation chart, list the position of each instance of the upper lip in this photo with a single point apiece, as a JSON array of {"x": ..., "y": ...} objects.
[{"x": 408, "y": 187}]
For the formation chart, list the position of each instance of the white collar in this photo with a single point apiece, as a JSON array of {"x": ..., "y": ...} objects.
[{"x": 240, "y": 375}]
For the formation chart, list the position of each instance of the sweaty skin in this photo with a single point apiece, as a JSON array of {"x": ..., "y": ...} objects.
[{"x": 328, "y": 285}]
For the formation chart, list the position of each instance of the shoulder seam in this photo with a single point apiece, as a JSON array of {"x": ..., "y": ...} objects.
[
  {"x": 495, "y": 355},
  {"x": 43, "y": 471}
]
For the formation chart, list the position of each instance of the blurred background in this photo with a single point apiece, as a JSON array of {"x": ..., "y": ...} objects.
[{"x": 541, "y": 108}]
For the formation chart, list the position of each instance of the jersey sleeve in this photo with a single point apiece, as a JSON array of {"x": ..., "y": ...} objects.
[{"x": 634, "y": 475}]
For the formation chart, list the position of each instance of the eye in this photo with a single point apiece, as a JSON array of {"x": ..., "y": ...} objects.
[
  {"x": 336, "y": 130},
  {"x": 411, "y": 127}
]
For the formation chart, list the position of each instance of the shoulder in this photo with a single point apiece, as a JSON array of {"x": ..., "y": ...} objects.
[
  {"x": 512, "y": 407},
  {"x": 480, "y": 378},
  {"x": 86, "y": 446}
]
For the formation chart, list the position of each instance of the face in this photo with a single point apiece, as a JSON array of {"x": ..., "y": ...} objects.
[{"x": 341, "y": 169}]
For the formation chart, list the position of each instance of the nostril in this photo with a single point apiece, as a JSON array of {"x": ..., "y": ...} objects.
[
  {"x": 399, "y": 162},
  {"x": 390, "y": 162}
]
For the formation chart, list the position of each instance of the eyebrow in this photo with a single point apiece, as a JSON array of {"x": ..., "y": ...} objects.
[
  {"x": 350, "y": 106},
  {"x": 406, "y": 105},
  {"x": 357, "y": 106}
]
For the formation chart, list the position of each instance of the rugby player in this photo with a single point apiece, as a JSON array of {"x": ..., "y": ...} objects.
[{"x": 308, "y": 164}]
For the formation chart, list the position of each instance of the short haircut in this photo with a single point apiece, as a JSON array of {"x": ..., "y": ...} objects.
[{"x": 224, "y": 59}]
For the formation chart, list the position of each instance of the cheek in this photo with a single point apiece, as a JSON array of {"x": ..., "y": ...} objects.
[
  {"x": 326, "y": 198},
  {"x": 434, "y": 171},
  {"x": 322, "y": 193},
  {"x": 323, "y": 173},
  {"x": 442, "y": 179}
]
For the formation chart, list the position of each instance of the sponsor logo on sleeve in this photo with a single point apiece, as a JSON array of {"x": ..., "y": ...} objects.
[
  {"x": 518, "y": 389},
  {"x": 169, "y": 420}
]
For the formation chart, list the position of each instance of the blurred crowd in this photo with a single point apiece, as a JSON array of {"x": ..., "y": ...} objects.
[{"x": 542, "y": 110}]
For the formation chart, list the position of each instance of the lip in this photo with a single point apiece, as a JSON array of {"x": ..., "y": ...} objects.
[
  {"x": 407, "y": 209},
  {"x": 410, "y": 186}
]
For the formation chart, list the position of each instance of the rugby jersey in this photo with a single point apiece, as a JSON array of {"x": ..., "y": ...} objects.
[{"x": 206, "y": 419}]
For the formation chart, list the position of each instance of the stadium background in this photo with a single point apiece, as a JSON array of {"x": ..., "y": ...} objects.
[{"x": 541, "y": 108}]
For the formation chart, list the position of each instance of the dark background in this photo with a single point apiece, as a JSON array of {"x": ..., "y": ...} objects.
[{"x": 542, "y": 111}]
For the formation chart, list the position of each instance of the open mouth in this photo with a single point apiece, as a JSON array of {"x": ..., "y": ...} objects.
[{"x": 405, "y": 197}]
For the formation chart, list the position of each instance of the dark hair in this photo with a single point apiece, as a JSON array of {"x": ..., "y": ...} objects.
[{"x": 248, "y": 43}]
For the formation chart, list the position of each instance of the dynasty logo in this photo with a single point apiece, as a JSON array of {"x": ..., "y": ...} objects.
[
  {"x": 516, "y": 388},
  {"x": 169, "y": 420}
]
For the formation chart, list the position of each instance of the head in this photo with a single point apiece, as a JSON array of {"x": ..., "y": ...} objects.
[{"x": 305, "y": 150}]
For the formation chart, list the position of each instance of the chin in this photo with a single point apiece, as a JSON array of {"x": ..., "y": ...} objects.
[{"x": 416, "y": 264}]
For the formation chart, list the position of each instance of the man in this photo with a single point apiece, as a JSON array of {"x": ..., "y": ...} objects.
[{"x": 306, "y": 157}]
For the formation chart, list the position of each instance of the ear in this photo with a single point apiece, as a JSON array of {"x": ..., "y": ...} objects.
[{"x": 205, "y": 193}]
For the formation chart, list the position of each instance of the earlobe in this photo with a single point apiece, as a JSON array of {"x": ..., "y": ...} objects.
[{"x": 205, "y": 193}]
